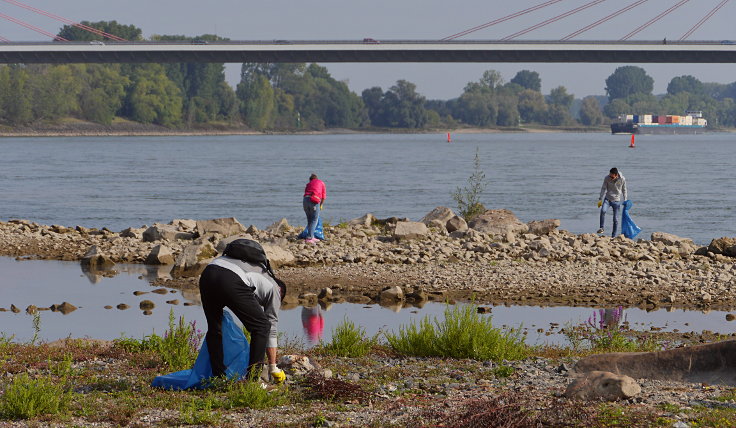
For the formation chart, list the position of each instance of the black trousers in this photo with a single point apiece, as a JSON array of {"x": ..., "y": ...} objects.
[{"x": 220, "y": 288}]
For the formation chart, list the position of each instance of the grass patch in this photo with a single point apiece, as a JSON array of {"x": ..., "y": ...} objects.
[
  {"x": 348, "y": 340},
  {"x": 25, "y": 398},
  {"x": 250, "y": 394},
  {"x": 606, "y": 333},
  {"x": 178, "y": 348},
  {"x": 462, "y": 334}
]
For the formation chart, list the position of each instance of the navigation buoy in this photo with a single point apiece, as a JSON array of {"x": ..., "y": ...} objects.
[
  {"x": 449, "y": 140},
  {"x": 632, "y": 145}
]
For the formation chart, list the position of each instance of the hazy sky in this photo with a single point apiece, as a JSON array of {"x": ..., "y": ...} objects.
[{"x": 406, "y": 19}]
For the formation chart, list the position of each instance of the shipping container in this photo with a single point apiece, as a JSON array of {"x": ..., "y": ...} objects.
[
  {"x": 647, "y": 119},
  {"x": 686, "y": 120},
  {"x": 636, "y": 118},
  {"x": 675, "y": 119},
  {"x": 668, "y": 119},
  {"x": 661, "y": 119},
  {"x": 629, "y": 117}
]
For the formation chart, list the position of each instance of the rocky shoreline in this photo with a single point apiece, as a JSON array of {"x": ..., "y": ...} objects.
[{"x": 496, "y": 259}]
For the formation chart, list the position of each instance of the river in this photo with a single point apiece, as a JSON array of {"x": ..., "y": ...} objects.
[{"x": 679, "y": 184}]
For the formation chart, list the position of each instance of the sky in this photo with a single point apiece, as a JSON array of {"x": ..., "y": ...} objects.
[{"x": 407, "y": 19}]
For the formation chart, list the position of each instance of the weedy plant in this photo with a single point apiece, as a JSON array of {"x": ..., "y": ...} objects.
[
  {"x": 26, "y": 398},
  {"x": 604, "y": 332},
  {"x": 251, "y": 394},
  {"x": 464, "y": 333},
  {"x": 178, "y": 347},
  {"x": 468, "y": 197},
  {"x": 348, "y": 340}
]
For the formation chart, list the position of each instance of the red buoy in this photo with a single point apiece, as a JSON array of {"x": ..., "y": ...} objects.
[
  {"x": 449, "y": 140},
  {"x": 632, "y": 145}
]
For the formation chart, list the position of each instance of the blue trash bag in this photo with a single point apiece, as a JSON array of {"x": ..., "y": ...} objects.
[
  {"x": 236, "y": 352},
  {"x": 628, "y": 227},
  {"x": 319, "y": 232}
]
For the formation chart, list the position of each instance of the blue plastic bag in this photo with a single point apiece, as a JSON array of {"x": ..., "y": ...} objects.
[
  {"x": 319, "y": 232},
  {"x": 236, "y": 350},
  {"x": 628, "y": 227}
]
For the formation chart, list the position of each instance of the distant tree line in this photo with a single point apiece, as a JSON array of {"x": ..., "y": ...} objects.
[{"x": 306, "y": 97}]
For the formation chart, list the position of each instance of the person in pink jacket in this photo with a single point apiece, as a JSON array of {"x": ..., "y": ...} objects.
[{"x": 314, "y": 196}]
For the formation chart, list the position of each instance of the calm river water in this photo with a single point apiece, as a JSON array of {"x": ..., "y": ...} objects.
[{"x": 679, "y": 184}]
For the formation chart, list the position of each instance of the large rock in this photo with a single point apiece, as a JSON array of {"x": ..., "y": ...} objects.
[
  {"x": 184, "y": 224},
  {"x": 133, "y": 232},
  {"x": 277, "y": 255},
  {"x": 94, "y": 259},
  {"x": 723, "y": 246},
  {"x": 711, "y": 363},
  {"x": 598, "y": 385},
  {"x": 280, "y": 227},
  {"x": 392, "y": 295},
  {"x": 438, "y": 217},
  {"x": 498, "y": 222},
  {"x": 670, "y": 239},
  {"x": 164, "y": 232},
  {"x": 405, "y": 230},
  {"x": 160, "y": 255},
  {"x": 224, "y": 226},
  {"x": 543, "y": 227},
  {"x": 193, "y": 259},
  {"x": 365, "y": 221},
  {"x": 456, "y": 223}
]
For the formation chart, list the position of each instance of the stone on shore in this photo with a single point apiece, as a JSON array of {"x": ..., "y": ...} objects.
[
  {"x": 277, "y": 255},
  {"x": 226, "y": 226},
  {"x": 725, "y": 246},
  {"x": 392, "y": 294},
  {"x": 365, "y": 221},
  {"x": 165, "y": 232},
  {"x": 438, "y": 217},
  {"x": 94, "y": 259},
  {"x": 455, "y": 224},
  {"x": 543, "y": 227},
  {"x": 133, "y": 232},
  {"x": 598, "y": 385},
  {"x": 670, "y": 239},
  {"x": 280, "y": 227},
  {"x": 160, "y": 255},
  {"x": 405, "y": 230},
  {"x": 193, "y": 259},
  {"x": 498, "y": 222}
]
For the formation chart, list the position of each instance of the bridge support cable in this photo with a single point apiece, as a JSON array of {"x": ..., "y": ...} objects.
[
  {"x": 33, "y": 27},
  {"x": 499, "y": 20},
  {"x": 551, "y": 20},
  {"x": 655, "y": 19},
  {"x": 702, "y": 21},
  {"x": 604, "y": 19},
  {"x": 66, "y": 20}
]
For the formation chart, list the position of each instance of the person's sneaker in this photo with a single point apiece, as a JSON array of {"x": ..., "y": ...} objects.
[
  {"x": 600, "y": 231},
  {"x": 312, "y": 241}
]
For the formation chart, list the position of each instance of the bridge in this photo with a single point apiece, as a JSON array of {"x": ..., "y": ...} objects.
[{"x": 369, "y": 50}]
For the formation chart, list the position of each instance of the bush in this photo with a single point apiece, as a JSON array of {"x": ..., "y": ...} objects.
[
  {"x": 464, "y": 333},
  {"x": 178, "y": 347},
  {"x": 26, "y": 398},
  {"x": 348, "y": 340},
  {"x": 251, "y": 394},
  {"x": 468, "y": 197},
  {"x": 600, "y": 334}
]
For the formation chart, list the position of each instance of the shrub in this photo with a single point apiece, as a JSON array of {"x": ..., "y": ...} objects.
[
  {"x": 26, "y": 398},
  {"x": 468, "y": 197},
  {"x": 348, "y": 340},
  {"x": 464, "y": 333},
  {"x": 600, "y": 334},
  {"x": 178, "y": 347},
  {"x": 251, "y": 394}
]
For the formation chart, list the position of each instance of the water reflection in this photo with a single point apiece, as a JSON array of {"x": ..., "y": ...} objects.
[{"x": 313, "y": 323}]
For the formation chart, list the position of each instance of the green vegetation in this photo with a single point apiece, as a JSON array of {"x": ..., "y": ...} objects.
[
  {"x": 27, "y": 397},
  {"x": 462, "y": 334},
  {"x": 605, "y": 333},
  {"x": 468, "y": 197},
  {"x": 252, "y": 395},
  {"x": 348, "y": 340},
  {"x": 178, "y": 348}
]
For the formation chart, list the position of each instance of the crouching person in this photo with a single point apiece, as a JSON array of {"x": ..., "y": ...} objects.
[{"x": 254, "y": 294}]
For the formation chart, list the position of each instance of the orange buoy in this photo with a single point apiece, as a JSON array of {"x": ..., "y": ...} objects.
[
  {"x": 632, "y": 145},
  {"x": 449, "y": 140}
]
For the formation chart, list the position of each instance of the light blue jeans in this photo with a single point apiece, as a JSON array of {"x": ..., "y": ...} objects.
[
  {"x": 312, "y": 211},
  {"x": 616, "y": 208}
]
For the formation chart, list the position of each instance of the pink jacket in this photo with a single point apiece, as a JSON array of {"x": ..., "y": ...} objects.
[{"x": 317, "y": 188}]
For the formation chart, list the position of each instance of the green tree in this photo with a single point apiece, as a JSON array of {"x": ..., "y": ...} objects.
[
  {"x": 257, "y": 102},
  {"x": 54, "y": 91},
  {"x": 616, "y": 108},
  {"x": 103, "y": 91},
  {"x": 685, "y": 84},
  {"x": 127, "y": 32},
  {"x": 559, "y": 96},
  {"x": 404, "y": 107},
  {"x": 532, "y": 106},
  {"x": 508, "y": 112},
  {"x": 17, "y": 103},
  {"x": 628, "y": 80},
  {"x": 476, "y": 107},
  {"x": 468, "y": 198},
  {"x": 590, "y": 112},
  {"x": 528, "y": 79},
  {"x": 153, "y": 98}
]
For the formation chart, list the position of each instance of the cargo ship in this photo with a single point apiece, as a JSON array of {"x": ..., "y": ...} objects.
[{"x": 691, "y": 123}]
